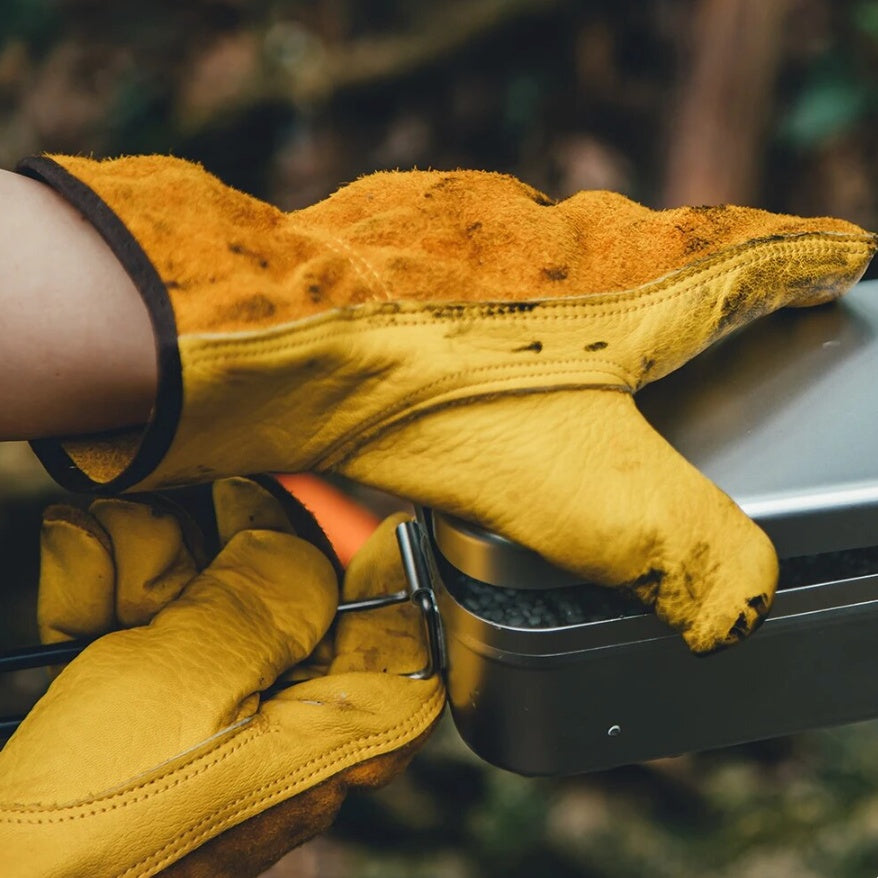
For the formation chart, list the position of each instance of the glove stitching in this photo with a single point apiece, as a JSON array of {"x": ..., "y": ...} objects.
[
  {"x": 615, "y": 371},
  {"x": 376, "y": 739},
  {"x": 336, "y": 456},
  {"x": 497, "y": 385},
  {"x": 256, "y": 348},
  {"x": 292, "y": 782},
  {"x": 356, "y": 261},
  {"x": 241, "y": 740},
  {"x": 674, "y": 285},
  {"x": 407, "y": 408}
]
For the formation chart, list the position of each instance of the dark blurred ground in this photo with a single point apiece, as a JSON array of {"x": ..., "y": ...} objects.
[{"x": 768, "y": 103}]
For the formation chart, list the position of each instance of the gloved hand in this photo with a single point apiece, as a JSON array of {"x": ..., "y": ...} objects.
[
  {"x": 153, "y": 752},
  {"x": 461, "y": 340}
]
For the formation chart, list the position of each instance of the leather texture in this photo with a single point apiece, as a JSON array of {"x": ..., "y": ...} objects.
[
  {"x": 464, "y": 341},
  {"x": 154, "y": 748}
]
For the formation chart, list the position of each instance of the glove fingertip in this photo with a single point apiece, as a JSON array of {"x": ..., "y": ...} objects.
[
  {"x": 243, "y": 504},
  {"x": 738, "y": 599},
  {"x": 151, "y": 556},
  {"x": 76, "y": 576},
  {"x": 62, "y": 515},
  {"x": 259, "y": 502}
]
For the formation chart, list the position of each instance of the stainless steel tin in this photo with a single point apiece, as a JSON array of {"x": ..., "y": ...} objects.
[
  {"x": 623, "y": 688},
  {"x": 783, "y": 416}
]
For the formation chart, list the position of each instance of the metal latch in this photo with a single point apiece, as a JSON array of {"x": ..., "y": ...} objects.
[{"x": 422, "y": 576}]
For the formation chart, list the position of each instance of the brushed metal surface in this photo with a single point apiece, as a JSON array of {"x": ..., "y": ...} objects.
[
  {"x": 491, "y": 558},
  {"x": 783, "y": 416}
]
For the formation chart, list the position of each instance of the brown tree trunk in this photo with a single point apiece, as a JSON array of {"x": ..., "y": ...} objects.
[{"x": 716, "y": 135}]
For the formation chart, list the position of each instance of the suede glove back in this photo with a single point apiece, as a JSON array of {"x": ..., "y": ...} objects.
[{"x": 462, "y": 340}]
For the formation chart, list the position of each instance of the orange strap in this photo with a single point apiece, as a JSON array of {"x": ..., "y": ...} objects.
[{"x": 348, "y": 524}]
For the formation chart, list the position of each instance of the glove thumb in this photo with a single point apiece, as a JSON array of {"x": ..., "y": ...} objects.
[{"x": 597, "y": 491}]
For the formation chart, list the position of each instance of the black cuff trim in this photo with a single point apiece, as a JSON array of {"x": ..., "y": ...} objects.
[{"x": 159, "y": 432}]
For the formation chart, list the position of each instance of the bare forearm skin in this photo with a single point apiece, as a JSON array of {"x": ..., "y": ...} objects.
[{"x": 77, "y": 353}]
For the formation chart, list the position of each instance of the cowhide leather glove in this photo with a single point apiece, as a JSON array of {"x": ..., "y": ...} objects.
[
  {"x": 462, "y": 340},
  {"x": 157, "y": 750}
]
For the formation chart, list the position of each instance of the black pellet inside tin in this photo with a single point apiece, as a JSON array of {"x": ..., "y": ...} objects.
[
  {"x": 541, "y": 608},
  {"x": 580, "y": 604}
]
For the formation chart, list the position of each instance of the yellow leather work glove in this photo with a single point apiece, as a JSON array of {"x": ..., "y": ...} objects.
[
  {"x": 463, "y": 341},
  {"x": 153, "y": 752}
]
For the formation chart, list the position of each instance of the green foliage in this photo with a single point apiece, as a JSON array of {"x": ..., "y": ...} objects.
[
  {"x": 34, "y": 21},
  {"x": 511, "y": 819},
  {"x": 840, "y": 88},
  {"x": 864, "y": 17},
  {"x": 831, "y": 103}
]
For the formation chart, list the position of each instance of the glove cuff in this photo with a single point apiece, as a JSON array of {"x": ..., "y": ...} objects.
[{"x": 129, "y": 456}]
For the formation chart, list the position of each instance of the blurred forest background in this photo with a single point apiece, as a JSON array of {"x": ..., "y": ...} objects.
[
  {"x": 770, "y": 103},
  {"x": 773, "y": 103}
]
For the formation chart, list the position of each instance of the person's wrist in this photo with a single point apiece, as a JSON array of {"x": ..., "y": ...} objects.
[{"x": 78, "y": 354}]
